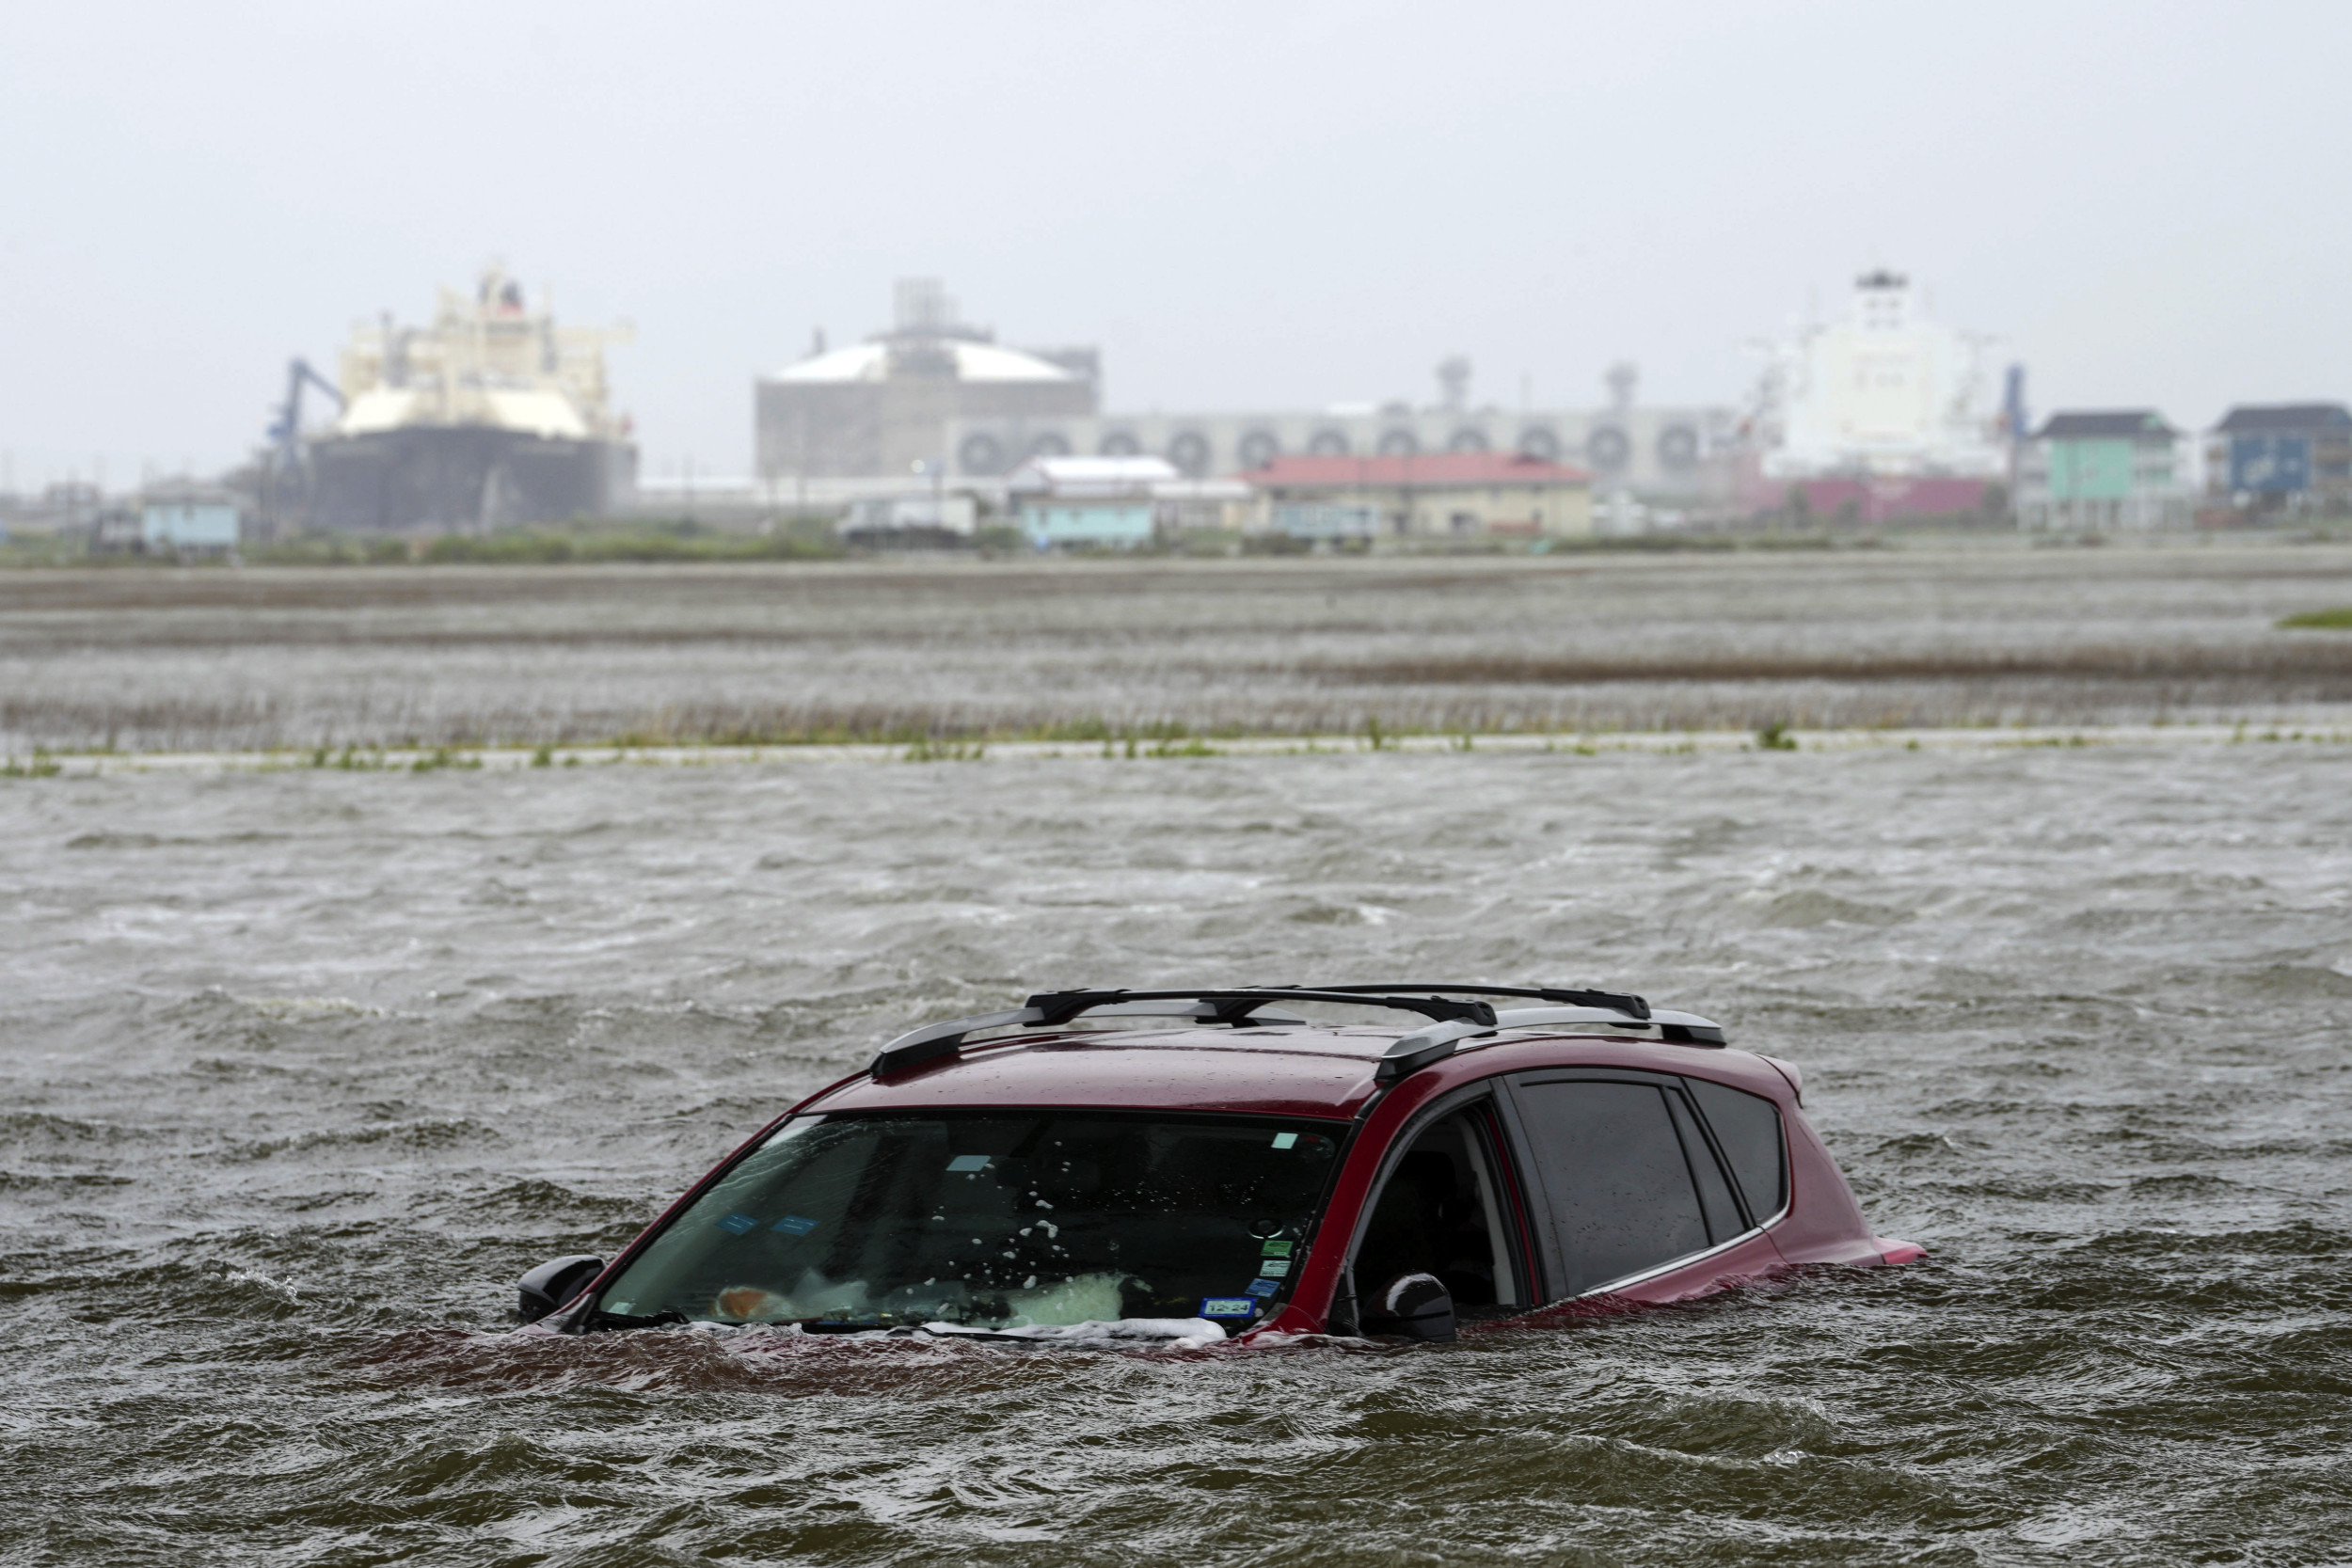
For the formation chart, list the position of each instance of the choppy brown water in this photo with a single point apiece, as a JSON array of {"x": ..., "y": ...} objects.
[
  {"x": 302, "y": 1068},
  {"x": 208, "y": 660}
]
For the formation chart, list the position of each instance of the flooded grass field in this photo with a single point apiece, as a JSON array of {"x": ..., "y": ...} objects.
[
  {"x": 220, "y": 659},
  {"x": 303, "y": 1068}
]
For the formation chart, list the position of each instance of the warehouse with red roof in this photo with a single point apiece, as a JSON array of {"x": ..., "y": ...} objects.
[{"x": 1441, "y": 495}]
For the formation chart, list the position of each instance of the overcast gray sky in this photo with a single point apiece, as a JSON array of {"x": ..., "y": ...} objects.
[{"x": 1245, "y": 205}]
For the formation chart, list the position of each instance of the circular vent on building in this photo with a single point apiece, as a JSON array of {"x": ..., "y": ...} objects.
[
  {"x": 1468, "y": 438},
  {"x": 1679, "y": 448},
  {"x": 981, "y": 454},
  {"x": 1328, "y": 443},
  {"x": 1398, "y": 443},
  {"x": 1051, "y": 444},
  {"x": 1608, "y": 448},
  {"x": 1537, "y": 441},
  {"x": 1119, "y": 443},
  {"x": 1259, "y": 448},
  {"x": 1189, "y": 451}
]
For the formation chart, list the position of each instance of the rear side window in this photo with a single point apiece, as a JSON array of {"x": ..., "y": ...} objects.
[
  {"x": 1715, "y": 1199},
  {"x": 1747, "y": 1126},
  {"x": 1619, "y": 1186}
]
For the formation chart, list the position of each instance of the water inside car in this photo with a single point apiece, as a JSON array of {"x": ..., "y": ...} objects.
[{"x": 997, "y": 1220}]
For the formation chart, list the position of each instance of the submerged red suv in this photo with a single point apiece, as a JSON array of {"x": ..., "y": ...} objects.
[{"x": 1191, "y": 1163}]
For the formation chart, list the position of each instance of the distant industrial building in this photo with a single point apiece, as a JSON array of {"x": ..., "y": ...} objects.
[
  {"x": 493, "y": 415},
  {"x": 1677, "y": 454},
  {"x": 937, "y": 391},
  {"x": 1455, "y": 495},
  {"x": 879, "y": 407},
  {"x": 2265, "y": 461},
  {"x": 2113, "y": 472}
]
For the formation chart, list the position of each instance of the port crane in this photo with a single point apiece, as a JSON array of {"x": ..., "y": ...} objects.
[
  {"x": 282, "y": 460},
  {"x": 285, "y": 430}
]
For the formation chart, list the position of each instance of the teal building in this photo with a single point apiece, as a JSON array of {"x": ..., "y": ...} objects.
[
  {"x": 1100, "y": 522},
  {"x": 1088, "y": 502},
  {"x": 2105, "y": 472}
]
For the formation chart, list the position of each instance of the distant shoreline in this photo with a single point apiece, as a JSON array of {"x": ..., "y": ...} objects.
[
  {"x": 656, "y": 546},
  {"x": 2336, "y": 731}
]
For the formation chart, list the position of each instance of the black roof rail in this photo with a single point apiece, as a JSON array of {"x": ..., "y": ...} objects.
[
  {"x": 1227, "y": 1005},
  {"x": 1615, "y": 1001}
]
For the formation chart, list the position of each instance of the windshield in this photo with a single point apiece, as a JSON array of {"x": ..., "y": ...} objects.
[{"x": 996, "y": 1220}]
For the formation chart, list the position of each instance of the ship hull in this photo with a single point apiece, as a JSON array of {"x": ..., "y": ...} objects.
[{"x": 461, "y": 478}]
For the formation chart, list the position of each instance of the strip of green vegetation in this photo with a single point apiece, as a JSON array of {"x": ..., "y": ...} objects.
[
  {"x": 682, "y": 542},
  {"x": 800, "y": 539},
  {"x": 591, "y": 541},
  {"x": 2320, "y": 620}
]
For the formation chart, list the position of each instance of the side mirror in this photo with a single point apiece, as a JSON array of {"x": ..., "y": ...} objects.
[
  {"x": 553, "y": 1283},
  {"x": 1417, "y": 1306}
]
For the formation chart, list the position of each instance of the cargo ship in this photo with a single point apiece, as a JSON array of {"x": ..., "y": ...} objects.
[{"x": 493, "y": 416}]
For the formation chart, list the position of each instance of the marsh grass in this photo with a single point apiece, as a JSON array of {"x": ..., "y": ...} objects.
[
  {"x": 2326, "y": 665},
  {"x": 945, "y": 750},
  {"x": 638, "y": 543},
  {"x": 1151, "y": 657},
  {"x": 2319, "y": 619}
]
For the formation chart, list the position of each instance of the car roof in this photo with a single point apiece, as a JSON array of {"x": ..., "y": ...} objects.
[{"x": 1293, "y": 1071}]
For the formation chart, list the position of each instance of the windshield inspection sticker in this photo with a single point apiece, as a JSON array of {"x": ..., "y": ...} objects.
[
  {"x": 1262, "y": 1287},
  {"x": 1229, "y": 1306},
  {"x": 737, "y": 1225},
  {"x": 794, "y": 1224},
  {"x": 1286, "y": 1140},
  {"x": 1277, "y": 1249},
  {"x": 1274, "y": 1268},
  {"x": 964, "y": 1164}
]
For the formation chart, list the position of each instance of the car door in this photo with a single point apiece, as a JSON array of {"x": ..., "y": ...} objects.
[{"x": 1626, "y": 1179}]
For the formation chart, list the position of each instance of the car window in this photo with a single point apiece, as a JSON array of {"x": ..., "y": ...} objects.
[
  {"x": 1748, "y": 1128},
  {"x": 1616, "y": 1182},
  {"x": 1715, "y": 1199},
  {"x": 1440, "y": 1213},
  {"x": 1011, "y": 1219}
]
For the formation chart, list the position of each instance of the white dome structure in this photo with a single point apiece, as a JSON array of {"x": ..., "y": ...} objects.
[
  {"x": 972, "y": 360},
  {"x": 879, "y": 408}
]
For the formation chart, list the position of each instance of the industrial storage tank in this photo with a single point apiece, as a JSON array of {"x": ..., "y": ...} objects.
[
  {"x": 491, "y": 415},
  {"x": 879, "y": 408}
]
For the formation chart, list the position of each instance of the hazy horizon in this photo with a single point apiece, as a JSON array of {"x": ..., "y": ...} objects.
[{"x": 1242, "y": 208}]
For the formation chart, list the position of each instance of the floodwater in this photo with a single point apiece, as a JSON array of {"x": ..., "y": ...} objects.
[
  {"x": 303, "y": 1068},
  {"x": 216, "y": 660}
]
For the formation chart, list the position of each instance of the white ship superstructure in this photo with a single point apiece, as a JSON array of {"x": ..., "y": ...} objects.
[
  {"x": 488, "y": 361},
  {"x": 1883, "y": 392},
  {"x": 493, "y": 414}
]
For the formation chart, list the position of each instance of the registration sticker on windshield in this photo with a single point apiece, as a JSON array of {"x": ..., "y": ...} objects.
[
  {"x": 1262, "y": 1287},
  {"x": 794, "y": 1224},
  {"x": 965, "y": 1164},
  {"x": 1277, "y": 1249},
  {"x": 1274, "y": 1268},
  {"x": 1229, "y": 1306},
  {"x": 737, "y": 1225}
]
